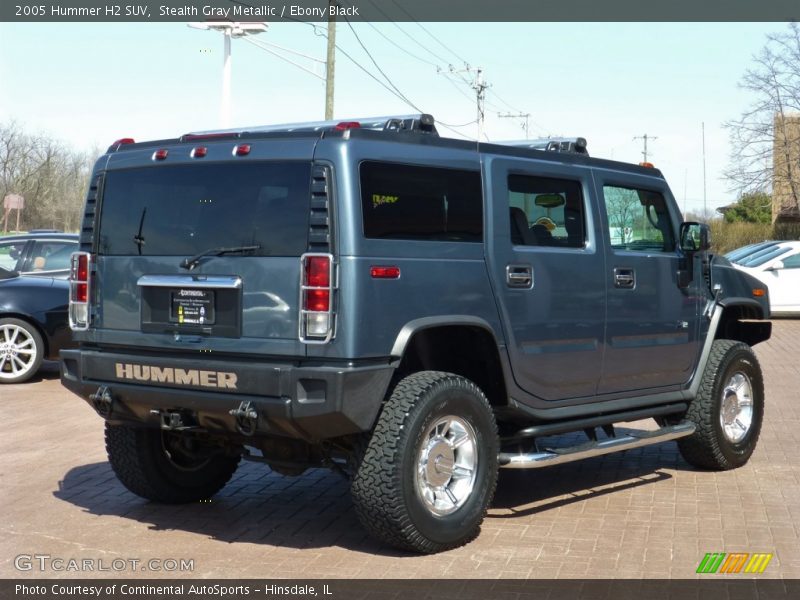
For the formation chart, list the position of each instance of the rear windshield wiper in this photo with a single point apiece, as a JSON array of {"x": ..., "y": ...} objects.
[{"x": 191, "y": 263}]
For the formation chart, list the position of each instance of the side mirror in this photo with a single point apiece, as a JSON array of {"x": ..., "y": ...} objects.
[
  {"x": 776, "y": 266},
  {"x": 695, "y": 237}
]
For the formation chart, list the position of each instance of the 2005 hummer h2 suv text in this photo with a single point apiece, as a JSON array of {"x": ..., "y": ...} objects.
[{"x": 412, "y": 311}]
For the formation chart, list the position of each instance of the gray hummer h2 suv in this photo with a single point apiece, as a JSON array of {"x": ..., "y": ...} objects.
[{"x": 412, "y": 311}]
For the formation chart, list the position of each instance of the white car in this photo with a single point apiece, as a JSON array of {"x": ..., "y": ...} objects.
[{"x": 777, "y": 264}]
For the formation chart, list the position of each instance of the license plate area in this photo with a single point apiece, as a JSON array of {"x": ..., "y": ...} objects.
[
  {"x": 205, "y": 305},
  {"x": 192, "y": 307}
]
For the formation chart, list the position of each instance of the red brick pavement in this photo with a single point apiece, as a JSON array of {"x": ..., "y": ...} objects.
[{"x": 644, "y": 513}]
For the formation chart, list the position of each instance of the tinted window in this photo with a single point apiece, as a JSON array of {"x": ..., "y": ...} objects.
[
  {"x": 186, "y": 209},
  {"x": 421, "y": 203},
  {"x": 638, "y": 220},
  {"x": 545, "y": 211}
]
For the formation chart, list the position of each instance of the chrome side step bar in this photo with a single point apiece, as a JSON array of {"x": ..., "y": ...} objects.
[{"x": 557, "y": 456}]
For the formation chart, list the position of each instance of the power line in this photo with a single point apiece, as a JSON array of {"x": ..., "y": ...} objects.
[
  {"x": 377, "y": 66},
  {"x": 395, "y": 92},
  {"x": 456, "y": 86},
  {"x": 408, "y": 35},
  {"x": 392, "y": 42},
  {"x": 394, "y": 89},
  {"x": 518, "y": 115},
  {"x": 436, "y": 39}
]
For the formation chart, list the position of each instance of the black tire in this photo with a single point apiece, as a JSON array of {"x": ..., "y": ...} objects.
[
  {"x": 13, "y": 350},
  {"x": 386, "y": 486},
  {"x": 143, "y": 465},
  {"x": 709, "y": 447}
]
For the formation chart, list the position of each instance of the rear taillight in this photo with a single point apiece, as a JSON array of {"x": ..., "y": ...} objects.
[
  {"x": 79, "y": 289},
  {"x": 316, "y": 298}
]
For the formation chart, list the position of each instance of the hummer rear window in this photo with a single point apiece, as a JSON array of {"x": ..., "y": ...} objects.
[
  {"x": 421, "y": 203},
  {"x": 182, "y": 210}
]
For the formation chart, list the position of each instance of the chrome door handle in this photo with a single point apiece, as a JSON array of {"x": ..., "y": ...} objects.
[
  {"x": 624, "y": 278},
  {"x": 519, "y": 276}
]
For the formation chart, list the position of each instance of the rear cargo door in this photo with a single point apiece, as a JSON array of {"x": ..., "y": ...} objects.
[{"x": 204, "y": 251}]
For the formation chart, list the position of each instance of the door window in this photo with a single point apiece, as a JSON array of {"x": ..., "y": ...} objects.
[
  {"x": 10, "y": 254},
  {"x": 545, "y": 211},
  {"x": 638, "y": 220},
  {"x": 52, "y": 255}
]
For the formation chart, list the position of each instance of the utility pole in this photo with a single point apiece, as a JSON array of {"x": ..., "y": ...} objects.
[
  {"x": 480, "y": 92},
  {"x": 524, "y": 124},
  {"x": 480, "y": 86},
  {"x": 705, "y": 205},
  {"x": 330, "y": 64},
  {"x": 645, "y": 137}
]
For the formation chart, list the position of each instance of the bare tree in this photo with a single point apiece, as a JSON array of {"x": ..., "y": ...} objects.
[
  {"x": 765, "y": 139},
  {"x": 49, "y": 175}
]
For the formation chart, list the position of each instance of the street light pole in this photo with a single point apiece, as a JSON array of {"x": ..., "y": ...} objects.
[
  {"x": 229, "y": 29},
  {"x": 225, "y": 103}
]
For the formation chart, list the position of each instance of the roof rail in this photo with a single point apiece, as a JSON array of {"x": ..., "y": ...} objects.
[
  {"x": 576, "y": 145},
  {"x": 423, "y": 123}
]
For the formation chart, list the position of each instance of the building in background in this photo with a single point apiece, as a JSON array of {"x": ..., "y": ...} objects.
[{"x": 786, "y": 169}]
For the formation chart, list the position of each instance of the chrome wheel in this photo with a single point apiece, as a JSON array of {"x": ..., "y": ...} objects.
[
  {"x": 18, "y": 351},
  {"x": 736, "y": 408},
  {"x": 447, "y": 464}
]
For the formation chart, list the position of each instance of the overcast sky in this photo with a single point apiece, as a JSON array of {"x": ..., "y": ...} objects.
[{"x": 89, "y": 84}]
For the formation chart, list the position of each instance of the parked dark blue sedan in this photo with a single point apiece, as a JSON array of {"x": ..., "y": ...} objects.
[{"x": 33, "y": 323}]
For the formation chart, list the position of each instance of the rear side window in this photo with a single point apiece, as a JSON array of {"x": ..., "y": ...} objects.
[
  {"x": 421, "y": 203},
  {"x": 182, "y": 210},
  {"x": 546, "y": 211}
]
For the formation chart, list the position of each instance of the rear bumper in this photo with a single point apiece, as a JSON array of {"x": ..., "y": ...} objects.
[{"x": 312, "y": 402}]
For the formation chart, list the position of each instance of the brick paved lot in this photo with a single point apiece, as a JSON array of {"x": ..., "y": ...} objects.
[{"x": 643, "y": 513}]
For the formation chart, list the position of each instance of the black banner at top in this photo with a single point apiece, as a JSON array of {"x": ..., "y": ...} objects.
[{"x": 106, "y": 11}]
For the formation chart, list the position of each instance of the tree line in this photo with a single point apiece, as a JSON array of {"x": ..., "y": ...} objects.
[{"x": 51, "y": 176}]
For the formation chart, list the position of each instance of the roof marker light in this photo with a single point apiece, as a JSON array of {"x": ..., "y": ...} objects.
[
  {"x": 241, "y": 150},
  {"x": 160, "y": 154},
  {"x": 123, "y": 141},
  {"x": 199, "y": 152},
  {"x": 647, "y": 165},
  {"x": 345, "y": 125}
]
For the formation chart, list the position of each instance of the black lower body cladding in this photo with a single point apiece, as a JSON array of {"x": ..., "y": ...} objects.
[{"x": 306, "y": 402}]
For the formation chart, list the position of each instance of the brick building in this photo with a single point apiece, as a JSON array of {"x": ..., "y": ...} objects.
[{"x": 786, "y": 169}]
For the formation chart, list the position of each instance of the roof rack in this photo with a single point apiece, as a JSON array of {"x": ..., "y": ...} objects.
[
  {"x": 423, "y": 123},
  {"x": 576, "y": 145}
]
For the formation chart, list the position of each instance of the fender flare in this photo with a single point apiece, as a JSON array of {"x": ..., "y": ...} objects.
[
  {"x": 716, "y": 317},
  {"x": 417, "y": 325}
]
